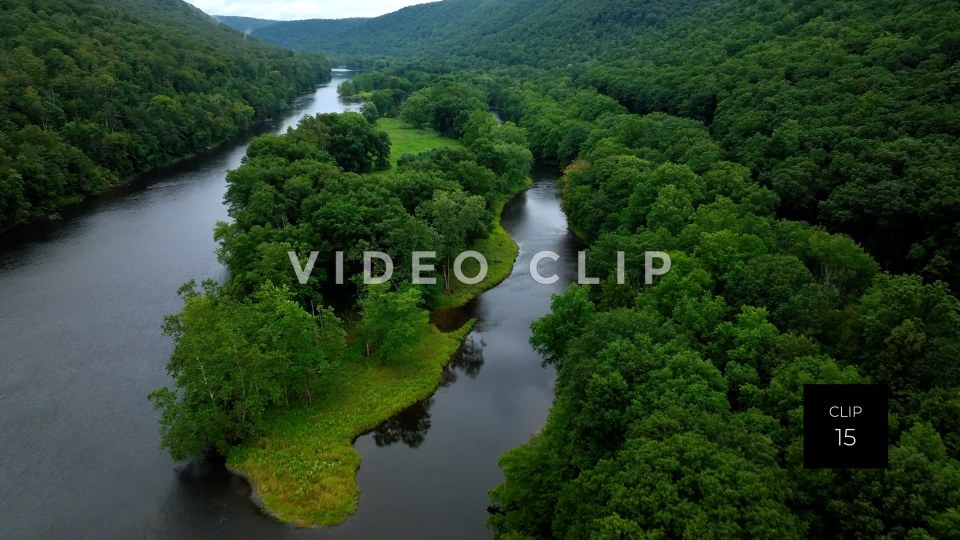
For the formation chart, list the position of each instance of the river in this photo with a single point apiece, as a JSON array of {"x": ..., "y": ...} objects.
[{"x": 81, "y": 304}]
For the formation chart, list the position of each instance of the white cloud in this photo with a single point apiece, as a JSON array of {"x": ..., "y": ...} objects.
[{"x": 289, "y": 10}]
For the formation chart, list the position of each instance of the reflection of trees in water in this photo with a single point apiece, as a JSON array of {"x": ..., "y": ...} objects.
[
  {"x": 410, "y": 426},
  {"x": 469, "y": 359}
]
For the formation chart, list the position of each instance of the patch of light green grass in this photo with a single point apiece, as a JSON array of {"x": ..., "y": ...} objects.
[{"x": 411, "y": 140}]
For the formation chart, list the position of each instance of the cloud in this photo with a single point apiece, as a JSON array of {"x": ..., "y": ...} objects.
[{"x": 289, "y": 10}]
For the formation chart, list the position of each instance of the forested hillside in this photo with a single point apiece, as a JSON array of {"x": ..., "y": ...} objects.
[
  {"x": 244, "y": 24},
  {"x": 296, "y": 35},
  {"x": 848, "y": 110},
  {"x": 94, "y": 92},
  {"x": 530, "y": 31}
]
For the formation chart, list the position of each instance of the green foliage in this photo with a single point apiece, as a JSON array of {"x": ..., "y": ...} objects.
[
  {"x": 418, "y": 110},
  {"x": 459, "y": 219},
  {"x": 93, "y": 93},
  {"x": 509, "y": 31},
  {"x": 349, "y": 138},
  {"x": 847, "y": 110},
  {"x": 236, "y": 361},
  {"x": 446, "y": 107},
  {"x": 392, "y": 321},
  {"x": 679, "y": 405}
]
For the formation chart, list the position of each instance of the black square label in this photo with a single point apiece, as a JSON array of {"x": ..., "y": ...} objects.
[{"x": 844, "y": 426}]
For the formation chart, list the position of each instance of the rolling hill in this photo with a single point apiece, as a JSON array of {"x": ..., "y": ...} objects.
[{"x": 507, "y": 31}]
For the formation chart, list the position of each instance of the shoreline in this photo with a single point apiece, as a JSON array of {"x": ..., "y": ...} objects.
[{"x": 76, "y": 200}]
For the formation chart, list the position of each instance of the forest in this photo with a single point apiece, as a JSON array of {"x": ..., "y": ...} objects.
[
  {"x": 847, "y": 110},
  {"x": 679, "y": 406},
  {"x": 94, "y": 93},
  {"x": 486, "y": 31}
]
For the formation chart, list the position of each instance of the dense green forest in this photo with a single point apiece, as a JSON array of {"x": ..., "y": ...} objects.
[
  {"x": 847, "y": 110},
  {"x": 503, "y": 31},
  {"x": 92, "y": 93},
  {"x": 679, "y": 405}
]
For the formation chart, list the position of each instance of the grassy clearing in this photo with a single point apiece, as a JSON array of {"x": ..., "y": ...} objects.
[
  {"x": 304, "y": 470},
  {"x": 406, "y": 139}
]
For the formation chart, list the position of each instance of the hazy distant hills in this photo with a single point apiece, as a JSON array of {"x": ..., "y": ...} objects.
[
  {"x": 245, "y": 24},
  {"x": 509, "y": 31}
]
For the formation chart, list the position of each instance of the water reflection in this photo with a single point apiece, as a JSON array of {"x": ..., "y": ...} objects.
[
  {"x": 411, "y": 425},
  {"x": 468, "y": 360}
]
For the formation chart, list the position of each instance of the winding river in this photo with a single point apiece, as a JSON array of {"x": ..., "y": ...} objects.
[{"x": 81, "y": 304}]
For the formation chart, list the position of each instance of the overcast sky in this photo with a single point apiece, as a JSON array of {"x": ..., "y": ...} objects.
[{"x": 290, "y": 10}]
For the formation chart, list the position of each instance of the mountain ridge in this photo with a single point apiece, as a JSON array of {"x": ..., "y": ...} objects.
[{"x": 507, "y": 31}]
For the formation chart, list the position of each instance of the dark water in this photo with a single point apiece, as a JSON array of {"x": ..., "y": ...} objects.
[{"x": 81, "y": 303}]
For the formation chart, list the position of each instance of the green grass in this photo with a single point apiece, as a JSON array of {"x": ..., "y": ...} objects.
[
  {"x": 406, "y": 139},
  {"x": 303, "y": 471}
]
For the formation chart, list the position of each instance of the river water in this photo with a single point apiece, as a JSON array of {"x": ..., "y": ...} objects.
[{"x": 81, "y": 304}]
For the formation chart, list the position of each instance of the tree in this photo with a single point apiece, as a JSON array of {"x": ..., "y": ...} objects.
[
  {"x": 370, "y": 112},
  {"x": 392, "y": 321},
  {"x": 459, "y": 219},
  {"x": 568, "y": 312},
  {"x": 417, "y": 110},
  {"x": 236, "y": 361},
  {"x": 355, "y": 144}
]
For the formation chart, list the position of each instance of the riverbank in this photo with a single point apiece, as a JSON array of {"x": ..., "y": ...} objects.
[
  {"x": 500, "y": 251},
  {"x": 304, "y": 470}
]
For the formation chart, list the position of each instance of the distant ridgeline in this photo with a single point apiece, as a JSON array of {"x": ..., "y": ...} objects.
[
  {"x": 94, "y": 92},
  {"x": 508, "y": 31}
]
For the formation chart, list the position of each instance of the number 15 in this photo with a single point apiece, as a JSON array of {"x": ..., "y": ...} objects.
[{"x": 845, "y": 435}]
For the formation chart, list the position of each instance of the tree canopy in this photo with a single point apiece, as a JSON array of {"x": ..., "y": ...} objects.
[{"x": 93, "y": 93}]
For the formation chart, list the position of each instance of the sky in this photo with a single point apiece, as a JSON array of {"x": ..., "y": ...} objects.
[{"x": 290, "y": 10}]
